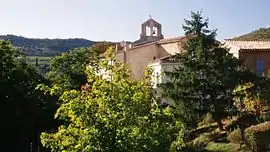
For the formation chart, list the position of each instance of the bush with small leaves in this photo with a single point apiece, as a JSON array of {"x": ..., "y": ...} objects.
[{"x": 114, "y": 113}]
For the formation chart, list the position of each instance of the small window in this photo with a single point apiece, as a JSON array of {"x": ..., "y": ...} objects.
[
  {"x": 155, "y": 31},
  {"x": 260, "y": 66},
  {"x": 148, "y": 31}
]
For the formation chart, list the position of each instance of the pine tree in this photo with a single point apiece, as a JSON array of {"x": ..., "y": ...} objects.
[{"x": 207, "y": 76}]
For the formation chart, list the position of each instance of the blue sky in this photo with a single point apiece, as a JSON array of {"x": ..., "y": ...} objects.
[{"x": 118, "y": 20}]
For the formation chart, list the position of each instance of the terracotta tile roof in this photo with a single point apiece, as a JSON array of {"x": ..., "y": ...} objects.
[
  {"x": 143, "y": 45},
  {"x": 249, "y": 45},
  {"x": 171, "y": 40},
  {"x": 165, "y": 59},
  {"x": 144, "y": 41},
  {"x": 162, "y": 41},
  {"x": 152, "y": 22}
]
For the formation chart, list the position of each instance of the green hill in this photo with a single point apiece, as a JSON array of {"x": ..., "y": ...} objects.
[
  {"x": 45, "y": 47},
  {"x": 260, "y": 34}
]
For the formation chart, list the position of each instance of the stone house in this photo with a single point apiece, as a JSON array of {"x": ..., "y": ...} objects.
[{"x": 254, "y": 54}]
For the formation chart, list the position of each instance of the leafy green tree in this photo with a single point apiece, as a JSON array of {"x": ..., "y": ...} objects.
[
  {"x": 248, "y": 100},
  {"x": 25, "y": 111},
  {"x": 114, "y": 113},
  {"x": 251, "y": 101},
  {"x": 102, "y": 46},
  {"x": 67, "y": 71},
  {"x": 207, "y": 76}
]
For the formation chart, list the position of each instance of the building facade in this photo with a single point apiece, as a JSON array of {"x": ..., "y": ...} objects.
[
  {"x": 149, "y": 49},
  {"x": 254, "y": 54},
  {"x": 154, "y": 51}
]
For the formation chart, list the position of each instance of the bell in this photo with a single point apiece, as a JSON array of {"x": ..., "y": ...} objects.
[{"x": 154, "y": 32}]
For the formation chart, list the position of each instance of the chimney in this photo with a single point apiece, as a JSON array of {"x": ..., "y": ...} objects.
[
  {"x": 116, "y": 47},
  {"x": 126, "y": 48}
]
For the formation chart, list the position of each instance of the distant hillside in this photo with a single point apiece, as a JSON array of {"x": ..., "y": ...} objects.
[
  {"x": 260, "y": 34},
  {"x": 45, "y": 47}
]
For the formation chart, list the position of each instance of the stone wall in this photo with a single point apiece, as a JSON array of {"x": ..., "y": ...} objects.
[
  {"x": 250, "y": 58},
  {"x": 172, "y": 48}
]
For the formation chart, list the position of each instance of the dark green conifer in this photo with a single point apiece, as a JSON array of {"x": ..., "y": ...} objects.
[{"x": 207, "y": 76}]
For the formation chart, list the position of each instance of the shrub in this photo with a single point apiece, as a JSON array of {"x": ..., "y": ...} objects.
[
  {"x": 257, "y": 137},
  {"x": 244, "y": 121},
  {"x": 235, "y": 136},
  {"x": 201, "y": 142},
  {"x": 265, "y": 116},
  {"x": 221, "y": 147},
  {"x": 233, "y": 125},
  {"x": 206, "y": 120}
]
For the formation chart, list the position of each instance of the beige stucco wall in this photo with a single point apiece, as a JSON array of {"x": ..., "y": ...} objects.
[
  {"x": 156, "y": 73},
  {"x": 158, "y": 77},
  {"x": 138, "y": 58},
  {"x": 232, "y": 49},
  {"x": 249, "y": 59},
  {"x": 158, "y": 68},
  {"x": 171, "y": 48},
  {"x": 120, "y": 56}
]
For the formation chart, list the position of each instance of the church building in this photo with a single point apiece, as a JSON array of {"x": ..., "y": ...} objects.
[
  {"x": 154, "y": 51},
  {"x": 150, "y": 50}
]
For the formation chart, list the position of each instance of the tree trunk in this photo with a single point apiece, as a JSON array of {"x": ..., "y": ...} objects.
[{"x": 220, "y": 125}]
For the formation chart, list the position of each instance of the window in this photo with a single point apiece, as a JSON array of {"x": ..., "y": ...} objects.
[
  {"x": 148, "y": 31},
  {"x": 155, "y": 31},
  {"x": 260, "y": 66}
]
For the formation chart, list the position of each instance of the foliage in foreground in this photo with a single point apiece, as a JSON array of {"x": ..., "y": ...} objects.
[
  {"x": 114, "y": 113},
  {"x": 25, "y": 111},
  {"x": 67, "y": 71},
  {"x": 249, "y": 100}
]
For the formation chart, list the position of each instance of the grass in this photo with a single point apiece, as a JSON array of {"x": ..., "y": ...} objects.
[
  {"x": 219, "y": 142},
  {"x": 222, "y": 147},
  {"x": 41, "y": 59}
]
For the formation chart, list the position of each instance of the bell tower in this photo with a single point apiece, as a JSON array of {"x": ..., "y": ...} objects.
[{"x": 150, "y": 31}]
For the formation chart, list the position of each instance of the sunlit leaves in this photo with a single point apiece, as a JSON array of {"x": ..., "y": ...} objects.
[
  {"x": 248, "y": 101},
  {"x": 114, "y": 113}
]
